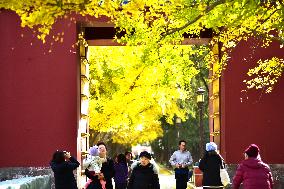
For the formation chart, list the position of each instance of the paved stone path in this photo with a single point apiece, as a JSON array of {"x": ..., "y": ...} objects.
[{"x": 167, "y": 181}]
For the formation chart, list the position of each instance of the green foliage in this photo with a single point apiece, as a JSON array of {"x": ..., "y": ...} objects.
[{"x": 188, "y": 130}]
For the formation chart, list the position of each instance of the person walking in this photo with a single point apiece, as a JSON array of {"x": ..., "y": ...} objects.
[
  {"x": 121, "y": 172},
  {"x": 63, "y": 165},
  {"x": 181, "y": 160},
  {"x": 143, "y": 175},
  {"x": 210, "y": 165},
  {"x": 253, "y": 172},
  {"x": 106, "y": 173}
]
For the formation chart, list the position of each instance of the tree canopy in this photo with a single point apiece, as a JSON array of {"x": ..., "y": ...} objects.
[
  {"x": 130, "y": 93},
  {"x": 158, "y": 22}
]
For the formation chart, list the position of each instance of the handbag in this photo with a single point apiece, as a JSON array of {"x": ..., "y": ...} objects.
[{"x": 225, "y": 179}]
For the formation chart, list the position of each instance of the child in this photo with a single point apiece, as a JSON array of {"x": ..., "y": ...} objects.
[{"x": 93, "y": 163}]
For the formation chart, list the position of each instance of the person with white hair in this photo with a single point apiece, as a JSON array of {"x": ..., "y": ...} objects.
[{"x": 210, "y": 165}]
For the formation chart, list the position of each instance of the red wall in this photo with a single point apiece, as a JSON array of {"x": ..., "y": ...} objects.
[
  {"x": 257, "y": 118},
  {"x": 39, "y": 93}
]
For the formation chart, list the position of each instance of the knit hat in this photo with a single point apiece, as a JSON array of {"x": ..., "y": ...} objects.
[
  {"x": 145, "y": 154},
  {"x": 252, "y": 150},
  {"x": 94, "y": 151},
  {"x": 211, "y": 146}
]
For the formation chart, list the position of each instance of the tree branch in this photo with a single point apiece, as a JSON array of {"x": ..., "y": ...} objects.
[
  {"x": 135, "y": 80},
  {"x": 265, "y": 20},
  {"x": 208, "y": 9}
]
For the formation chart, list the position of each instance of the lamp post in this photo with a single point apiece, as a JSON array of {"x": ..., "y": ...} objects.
[
  {"x": 200, "y": 102},
  {"x": 178, "y": 124}
]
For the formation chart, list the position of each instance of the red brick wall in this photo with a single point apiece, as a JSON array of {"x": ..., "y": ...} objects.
[
  {"x": 39, "y": 86},
  {"x": 251, "y": 116}
]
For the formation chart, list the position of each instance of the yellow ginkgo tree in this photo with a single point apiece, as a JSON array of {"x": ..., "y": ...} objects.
[{"x": 130, "y": 93}]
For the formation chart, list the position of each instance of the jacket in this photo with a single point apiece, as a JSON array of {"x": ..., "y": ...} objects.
[
  {"x": 143, "y": 177},
  {"x": 210, "y": 166},
  {"x": 108, "y": 171},
  {"x": 254, "y": 174},
  {"x": 121, "y": 173},
  {"x": 63, "y": 174}
]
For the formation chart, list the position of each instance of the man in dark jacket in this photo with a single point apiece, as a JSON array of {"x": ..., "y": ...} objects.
[
  {"x": 63, "y": 165},
  {"x": 253, "y": 172},
  {"x": 143, "y": 176}
]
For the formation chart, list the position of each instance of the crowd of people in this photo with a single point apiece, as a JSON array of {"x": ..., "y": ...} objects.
[
  {"x": 100, "y": 170},
  {"x": 142, "y": 174}
]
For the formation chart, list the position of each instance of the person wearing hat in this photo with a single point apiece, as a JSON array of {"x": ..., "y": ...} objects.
[
  {"x": 210, "y": 165},
  {"x": 143, "y": 175},
  {"x": 253, "y": 172}
]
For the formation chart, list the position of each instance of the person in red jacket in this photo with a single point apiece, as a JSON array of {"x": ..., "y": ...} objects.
[{"x": 253, "y": 172}]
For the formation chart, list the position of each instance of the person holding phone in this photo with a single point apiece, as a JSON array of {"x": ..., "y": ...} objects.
[{"x": 63, "y": 165}]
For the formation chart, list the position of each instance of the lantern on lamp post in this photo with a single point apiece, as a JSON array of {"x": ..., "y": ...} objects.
[
  {"x": 200, "y": 103},
  {"x": 178, "y": 124}
]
